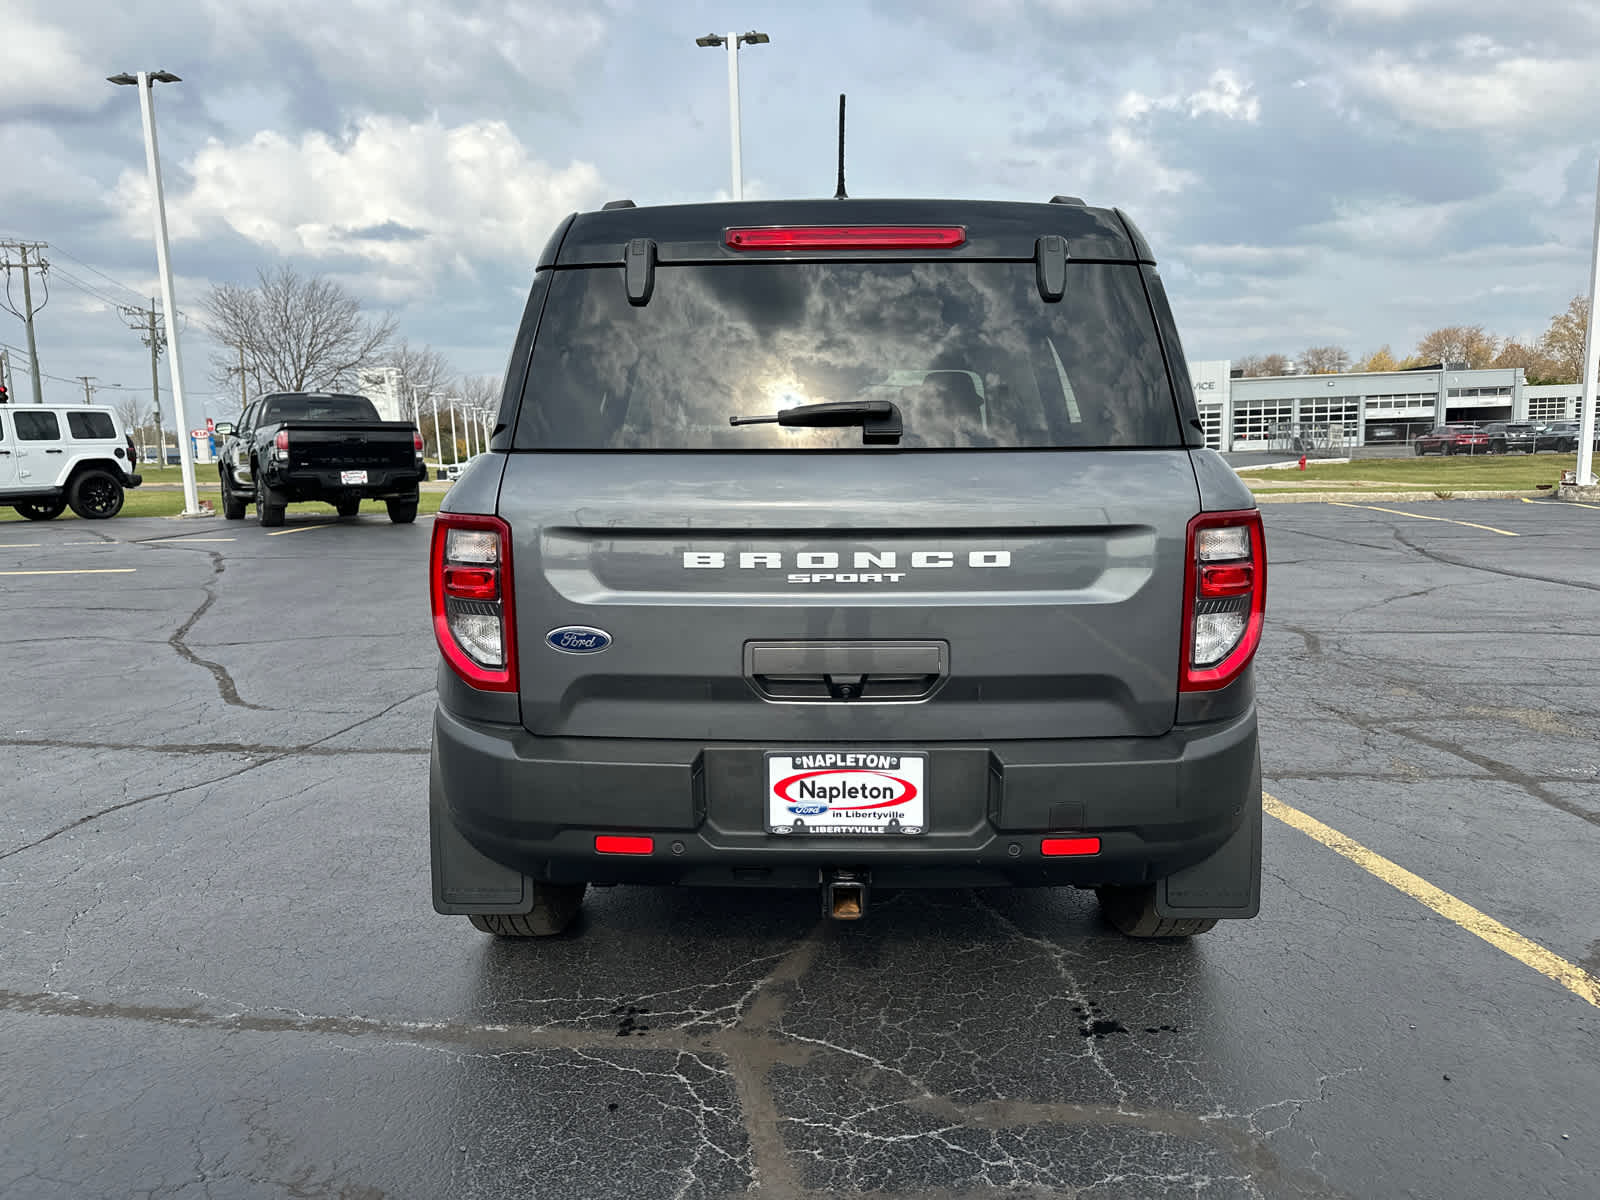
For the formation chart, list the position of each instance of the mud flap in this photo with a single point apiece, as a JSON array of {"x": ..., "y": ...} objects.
[
  {"x": 464, "y": 879},
  {"x": 1226, "y": 885}
]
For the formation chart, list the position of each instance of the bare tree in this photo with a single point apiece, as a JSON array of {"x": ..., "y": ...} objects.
[
  {"x": 293, "y": 333},
  {"x": 1254, "y": 365},
  {"x": 1562, "y": 343},
  {"x": 1470, "y": 344},
  {"x": 1324, "y": 360},
  {"x": 132, "y": 414},
  {"x": 423, "y": 373}
]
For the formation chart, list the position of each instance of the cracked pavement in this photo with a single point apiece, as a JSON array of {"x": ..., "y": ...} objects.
[{"x": 220, "y": 973}]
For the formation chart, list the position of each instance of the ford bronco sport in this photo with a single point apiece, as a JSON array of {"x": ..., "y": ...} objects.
[{"x": 847, "y": 544}]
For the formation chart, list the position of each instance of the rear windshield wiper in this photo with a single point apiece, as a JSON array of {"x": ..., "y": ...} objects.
[{"x": 879, "y": 419}]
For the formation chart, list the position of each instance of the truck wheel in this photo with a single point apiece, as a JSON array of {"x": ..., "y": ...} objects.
[
  {"x": 402, "y": 512},
  {"x": 95, "y": 495},
  {"x": 40, "y": 510},
  {"x": 269, "y": 505},
  {"x": 348, "y": 508},
  {"x": 1132, "y": 911},
  {"x": 555, "y": 906},
  {"x": 232, "y": 502}
]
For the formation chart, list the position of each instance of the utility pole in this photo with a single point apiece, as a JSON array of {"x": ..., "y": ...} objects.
[
  {"x": 41, "y": 265},
  {"x": 88, "y": 392},
  {"x": 5, "y": 371},
  {"x": 143, "y": 322}
]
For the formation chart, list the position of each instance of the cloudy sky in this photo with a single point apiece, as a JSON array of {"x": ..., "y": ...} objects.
[{"x": 1355, "y": 171}]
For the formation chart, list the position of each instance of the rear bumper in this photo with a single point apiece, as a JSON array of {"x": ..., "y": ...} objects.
[
  {"x": 508, "y": 807},
  {"x": 321, "y": 483},
  {"x": 131, "y": 479}
]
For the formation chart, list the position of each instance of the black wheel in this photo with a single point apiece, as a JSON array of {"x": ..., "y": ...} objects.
[
  {"x": 95, "y": 495},
  {"x": 348, "y": 508},
  {"x": 1417, "y": 446},
  {"x": 40, "y": 510},
  {"x": 402, "y": 512},
  {"x": 233, "y": 504},
  {"x": 1497, "y": 447},
  {"x": 555, "y": 907},
  {"x": 269, "y": 504},
  {"x": 1132, "y": 912}
]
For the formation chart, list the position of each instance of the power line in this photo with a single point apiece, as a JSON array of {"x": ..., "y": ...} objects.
[{"x": 97, "y": 271}]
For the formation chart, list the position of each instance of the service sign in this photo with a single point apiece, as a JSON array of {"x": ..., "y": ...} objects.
[{"x": 846, "y": 791}]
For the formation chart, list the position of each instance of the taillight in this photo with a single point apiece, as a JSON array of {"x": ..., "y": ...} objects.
[
  {"x": 1224, "y": 598},
  {"x": 847, "y": 237},
  {"x": 416, "y": 441},
  {"x": 281, "y": 444},
  {"x": 470, "y": 589}
]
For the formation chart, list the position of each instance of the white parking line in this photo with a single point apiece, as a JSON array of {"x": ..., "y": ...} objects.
[
  {"x": 148, "y": 541},
  {"x": 298, "y": 529},
  {"x": 20, "y": 545}
]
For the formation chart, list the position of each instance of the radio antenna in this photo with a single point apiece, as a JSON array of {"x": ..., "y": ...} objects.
[{"x": 839, "y": 194}]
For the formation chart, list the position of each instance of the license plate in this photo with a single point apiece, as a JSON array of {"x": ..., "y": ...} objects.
[
  {"x": 846, "y": 791},
  {"x": 352, "y": 476}
]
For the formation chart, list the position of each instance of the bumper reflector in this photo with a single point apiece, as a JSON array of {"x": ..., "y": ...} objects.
[
  {"x": 1066, "y": 847},
  {"x": 615, "y": 843}
]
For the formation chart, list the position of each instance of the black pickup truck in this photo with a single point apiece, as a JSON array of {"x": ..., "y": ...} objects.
[{"x": 294, "y": 446}]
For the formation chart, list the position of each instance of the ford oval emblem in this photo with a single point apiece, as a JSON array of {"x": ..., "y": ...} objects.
[{"x": 577, "y": 639}]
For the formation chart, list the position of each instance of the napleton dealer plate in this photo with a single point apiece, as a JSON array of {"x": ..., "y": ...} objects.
[{"x": 846, "y": 791}]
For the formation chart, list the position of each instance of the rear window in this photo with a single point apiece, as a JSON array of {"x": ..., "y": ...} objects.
[
  {"x": 970, "y": 353},
  {"x": 36, "y": 426},
  {"x": 318, "y": 408},
  {"x": 97, "y": 425}
]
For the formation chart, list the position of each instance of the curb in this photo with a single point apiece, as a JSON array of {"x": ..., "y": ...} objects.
[{"x": 1389, "y": 497}]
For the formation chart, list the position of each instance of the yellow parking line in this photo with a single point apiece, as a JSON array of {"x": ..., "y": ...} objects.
[
  {"x": 1420, "y": 517},
  {"x": 1569, "y": 975},
  {"x": 297, "y": 529},
  {"x": 102, "y": 571},
  {"x": 1574, "y": 503},
  {"x": 20, "y": 545}
]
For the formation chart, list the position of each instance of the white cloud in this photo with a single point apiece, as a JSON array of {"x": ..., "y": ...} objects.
[
  {"x": 42, "y": 67},
  {"x": 413, "y": 199},
  {"x": 1225, "y": 96},
  {"x": 1512, "y": 93}
]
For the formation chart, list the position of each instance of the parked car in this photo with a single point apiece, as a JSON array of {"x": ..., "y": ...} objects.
[
  {"x": 294, "y": 446},
  {"x": 1452, "y": 439},
  {"x": 731, "y": 602},
  {"x": 1563, "y": 436},
  {"x": 1506, "y": 436},
  {"x": 53, "y": 456}
]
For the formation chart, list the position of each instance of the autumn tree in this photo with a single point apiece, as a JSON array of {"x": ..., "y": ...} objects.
[
  {"x": 1470, "y": 344},
  {"x": 293, "y": 333},
  {"x": 1562, "y": 343},
  {"x": 1324, "y": 360},
  {"x": 1537, "y": 366},
  {"x": 1255, "y": 365},
  {"x": 1381, "y": 359}
]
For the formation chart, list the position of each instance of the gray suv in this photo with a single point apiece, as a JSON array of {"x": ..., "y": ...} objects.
[{"x": 845, "y": 544}]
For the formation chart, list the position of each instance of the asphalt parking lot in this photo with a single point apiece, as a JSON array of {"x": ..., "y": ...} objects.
[{"x": 221, "y": 976}]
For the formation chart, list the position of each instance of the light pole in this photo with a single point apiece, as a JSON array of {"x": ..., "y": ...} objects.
[
  {"x": 455, "y": 446},
  {"x": 733, "y": 41},
  {"x": 146, "y": 81}
]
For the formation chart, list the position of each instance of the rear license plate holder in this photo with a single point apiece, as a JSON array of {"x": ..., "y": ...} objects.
[
  {"x": 352, "y": 476},
  {"x": 846, "y": 793}
]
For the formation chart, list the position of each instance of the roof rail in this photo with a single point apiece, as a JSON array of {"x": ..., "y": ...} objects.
[
  {"x": 617, "y": 204},
  {"x": 1077, "y": 200}
]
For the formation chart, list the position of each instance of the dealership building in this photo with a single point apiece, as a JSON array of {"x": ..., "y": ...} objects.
[{"x": 1365, "y": 408}]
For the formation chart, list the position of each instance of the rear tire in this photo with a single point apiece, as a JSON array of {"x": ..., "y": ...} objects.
[
  {"x": 95, "y": 495},
  {"x": 40, "y": 510},
  {"x": 555, "y": 907},
  {"x": 233, "y": 504},
  {"x": 1417, "y": 446},
  {"x": 348, "y": 508},
  {"x": 402, "y": 512},
  {"x": 1132, "y": 912},
  {"x": 270, "y": 505}
]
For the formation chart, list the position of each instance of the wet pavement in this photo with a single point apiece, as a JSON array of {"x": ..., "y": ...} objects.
[{"x": 220, "y": 973}]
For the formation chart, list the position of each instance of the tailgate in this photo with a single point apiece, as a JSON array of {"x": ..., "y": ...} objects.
[
  {"x": 786, "y": 598},
  {"x": 349, "y": 445}
]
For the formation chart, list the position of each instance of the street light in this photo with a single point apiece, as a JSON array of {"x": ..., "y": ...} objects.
[
  {"x": 146, "y": 81},
  {"x": 733, "y": 41}
]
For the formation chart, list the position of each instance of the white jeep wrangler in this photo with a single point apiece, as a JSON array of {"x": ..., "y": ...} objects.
[{"x": 52, "y": 456}]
